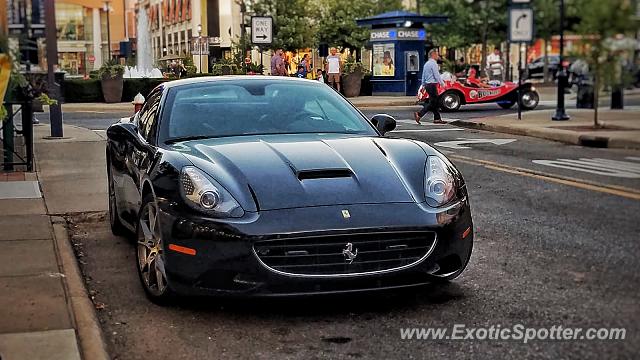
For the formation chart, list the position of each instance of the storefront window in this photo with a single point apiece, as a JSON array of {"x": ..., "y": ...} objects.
[
  {"x": 72, "y": 62},
  {"x": 383, "y": 55},
  {"x": 70, "y": 22}
]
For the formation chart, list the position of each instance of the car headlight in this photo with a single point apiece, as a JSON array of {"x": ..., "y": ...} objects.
[
  {"x": 439, "y": 185},
  {"x": 205, "y": 194}
]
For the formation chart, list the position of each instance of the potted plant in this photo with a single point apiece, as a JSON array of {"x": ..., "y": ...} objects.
[
  {"x": 255, "y": 69},
  {"x": 354, "y": 72},
  {"x": 111, "y": 81}
]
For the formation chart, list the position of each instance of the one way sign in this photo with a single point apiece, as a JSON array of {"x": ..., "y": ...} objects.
[
  {"x": 520, "y": 24},
  {"x": 261, "y": 29}
]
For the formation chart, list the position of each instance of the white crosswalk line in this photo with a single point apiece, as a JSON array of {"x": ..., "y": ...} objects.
[
  {"x": 598, "y": 166},
  {"x": 592, "y": 163}
]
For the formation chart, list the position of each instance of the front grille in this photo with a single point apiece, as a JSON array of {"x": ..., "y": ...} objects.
[{"x": 326, "y": 255}]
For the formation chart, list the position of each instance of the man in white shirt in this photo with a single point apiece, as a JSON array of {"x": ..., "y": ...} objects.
[
  {"x": 333, "y": 69},
  {"x": 494, "y": 65}
]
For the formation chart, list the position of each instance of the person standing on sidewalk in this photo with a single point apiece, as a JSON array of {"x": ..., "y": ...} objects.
[
  {"x": 494, "y": 65},
  {"x": 306, "y": 64},
  {"x": 430, "y": 80},
  {"x": 277, "y": 64},
  {"x": 333, "y": 68}
]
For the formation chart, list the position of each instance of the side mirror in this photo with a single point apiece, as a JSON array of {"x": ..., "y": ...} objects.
[
  {"x": 384, "y": 123},
  {"x": 131, "y": 127}
]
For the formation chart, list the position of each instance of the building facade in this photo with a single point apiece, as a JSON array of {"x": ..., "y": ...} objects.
[
  {"x": 82, "y": 33},
  {"x": 174, "y": 25}
]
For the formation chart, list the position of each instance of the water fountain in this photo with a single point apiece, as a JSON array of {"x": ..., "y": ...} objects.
[{"x": 144, "y": 67}]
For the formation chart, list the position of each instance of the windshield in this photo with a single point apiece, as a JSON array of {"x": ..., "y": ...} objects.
[{"x": 254, "y": 107}]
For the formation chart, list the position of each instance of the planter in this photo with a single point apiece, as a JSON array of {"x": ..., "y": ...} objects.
[
  {"x": 36, "y": 105},
  {"x": 112, "y": 89},
  {"x": 352, "y": 83}
]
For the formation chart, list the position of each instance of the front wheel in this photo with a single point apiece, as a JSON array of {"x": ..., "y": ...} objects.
[
  {"x": 529, "y": 99},
  {"x": 450, "y": 101},
  {"x": 150, "y": 254},
  {"x": 117, "y": 228}
]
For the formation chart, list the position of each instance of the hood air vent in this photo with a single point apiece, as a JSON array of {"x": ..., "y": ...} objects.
[{"x": 324, "y": 174}]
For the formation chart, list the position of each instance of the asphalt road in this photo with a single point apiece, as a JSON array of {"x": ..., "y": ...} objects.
[
  {"x": 554, "y": 246},
  {"x": 97, "y": 120}
]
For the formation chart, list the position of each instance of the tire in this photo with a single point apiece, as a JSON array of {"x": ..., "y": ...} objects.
[
  {"x": 506, "y": 105},
  {"x": 117, "y": 228},
  {"x": 450, "y": 101},
  {"x": 529, "y": 100},
  {"x": 150, "y": 254}
]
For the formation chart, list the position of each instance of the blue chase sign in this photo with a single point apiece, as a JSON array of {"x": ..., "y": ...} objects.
[{"x": 398, "y": 34}]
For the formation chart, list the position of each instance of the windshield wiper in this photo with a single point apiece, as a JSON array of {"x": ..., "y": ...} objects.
[{"x": 188, "y": 138}]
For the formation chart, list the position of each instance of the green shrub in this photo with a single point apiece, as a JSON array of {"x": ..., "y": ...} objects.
[
  {"x": 198, "y": 75},
  {"x": 110, "y": 70},
  {"x": 132, "y": 87},
  {"x": 79, "y": 90}
]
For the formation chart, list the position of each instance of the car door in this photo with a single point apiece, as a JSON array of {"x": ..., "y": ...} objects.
[{"x": 141, "y": 150}]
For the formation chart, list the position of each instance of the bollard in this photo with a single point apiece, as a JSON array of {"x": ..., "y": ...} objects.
[{"x": 137, "y": 102}]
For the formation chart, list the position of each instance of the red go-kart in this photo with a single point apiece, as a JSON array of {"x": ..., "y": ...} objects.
[{"x": 459, "y": 92}]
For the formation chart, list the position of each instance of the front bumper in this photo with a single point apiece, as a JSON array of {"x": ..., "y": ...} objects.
[{"x": 226, "y": 264}]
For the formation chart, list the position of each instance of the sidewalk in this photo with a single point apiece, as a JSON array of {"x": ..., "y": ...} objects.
[
  {"x": 621, "y": 127},
  {"x": 46, "y": 312},
  {"x": 360, "y": 101}
]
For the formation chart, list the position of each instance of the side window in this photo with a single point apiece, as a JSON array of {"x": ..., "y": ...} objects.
[{"x": 148, "y": 115}]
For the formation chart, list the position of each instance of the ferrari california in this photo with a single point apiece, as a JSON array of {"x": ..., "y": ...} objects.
[{"x": 265, "y": 186}]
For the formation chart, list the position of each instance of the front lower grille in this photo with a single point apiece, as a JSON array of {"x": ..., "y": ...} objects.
[{"x": 345, "y": 254}]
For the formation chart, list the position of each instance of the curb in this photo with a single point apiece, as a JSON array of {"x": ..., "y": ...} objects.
[
  {"x": 91, "y": 340},
  {"x": 564, "y": 136},
  {"x": 386, "y": 104}
]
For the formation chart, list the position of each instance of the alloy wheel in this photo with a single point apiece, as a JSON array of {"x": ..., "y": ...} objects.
[
  {"x": 451, "y": 102},
  {"x": 529, "y": 100},
  {"x": 112, "y": 200},
  {"x": 150, "y": 258}
]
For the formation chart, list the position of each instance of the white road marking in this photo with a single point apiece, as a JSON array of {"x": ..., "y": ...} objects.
[
  {"x": 428, "y": 130},
  {"x": 459, "y": 144},
  {"x": 598, "y": 166},
  {"x": 424, "y": 122}
]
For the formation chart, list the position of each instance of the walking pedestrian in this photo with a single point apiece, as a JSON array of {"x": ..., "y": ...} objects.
[
  {"x": 333, "y": 68},
  {"x": 430, "y": 80},
  {"x": 277, "y": 64}
]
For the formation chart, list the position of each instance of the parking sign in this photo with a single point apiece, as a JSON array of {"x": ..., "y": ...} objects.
[{"x": 520, "y": 24}]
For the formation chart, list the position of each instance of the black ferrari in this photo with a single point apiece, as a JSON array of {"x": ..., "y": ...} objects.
[{"x": 262, "y": 186}]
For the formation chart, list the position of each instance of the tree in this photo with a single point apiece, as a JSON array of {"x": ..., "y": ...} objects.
[
  {"x": 461, "y": 29},
  {"x": 546, "y": 17},
  {"x": 601, "y": 23},
  {"x": 337, "y": 24},
  {"x": 470, "y": 21},
  {"x": 292, "y": 25}
]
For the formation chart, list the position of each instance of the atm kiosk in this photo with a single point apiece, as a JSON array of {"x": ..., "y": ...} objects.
[{"x": 398, "y": 51}]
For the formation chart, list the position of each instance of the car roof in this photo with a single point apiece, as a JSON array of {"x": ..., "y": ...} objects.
[{"x": 213, "y": 79}]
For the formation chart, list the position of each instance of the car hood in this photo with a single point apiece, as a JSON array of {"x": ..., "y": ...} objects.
[{"x": 289, "y": 171}]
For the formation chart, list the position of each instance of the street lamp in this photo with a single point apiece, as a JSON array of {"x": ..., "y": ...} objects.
[
  {"x": 560, "y": 114},
  {"x": 200, "y": 46},
  {"x": 106, "y": 10}
]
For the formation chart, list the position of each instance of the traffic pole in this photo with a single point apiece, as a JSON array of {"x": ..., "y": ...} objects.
[
  {"x": 560, "y": 114},
  {"x": 519, "y": 81},
  {"x": 55, "y": 111}
]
